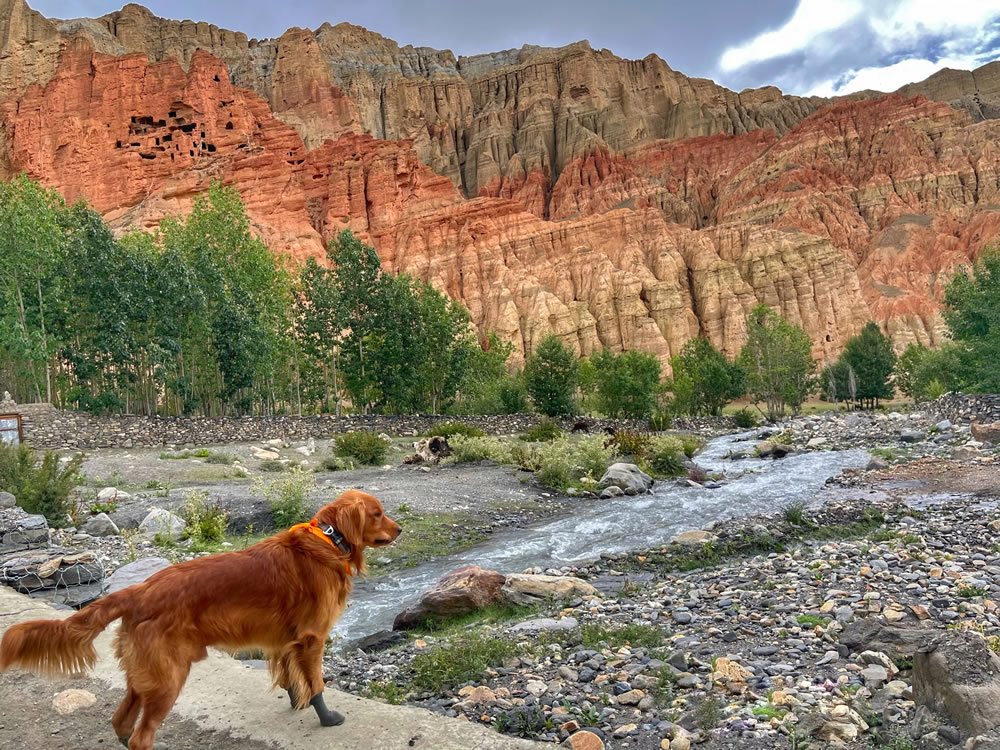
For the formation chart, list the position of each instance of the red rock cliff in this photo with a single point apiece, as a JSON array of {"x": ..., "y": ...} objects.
[{"x": 617, "y": 203}]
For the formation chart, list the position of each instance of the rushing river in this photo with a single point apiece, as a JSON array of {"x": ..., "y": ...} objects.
[{"x": 599, "y": 526}]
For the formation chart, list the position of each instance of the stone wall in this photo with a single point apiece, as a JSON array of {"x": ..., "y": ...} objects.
[
  {"x": 967, "y": 407},
  {"x": 48, "y": 427}
]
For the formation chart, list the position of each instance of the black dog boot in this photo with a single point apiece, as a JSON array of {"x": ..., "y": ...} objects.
[{"x": 327, "y": 717}]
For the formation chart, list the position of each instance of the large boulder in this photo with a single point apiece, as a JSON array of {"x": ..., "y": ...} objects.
[
  {"x": 531, "y": 590},
  {"x": 694, "y": 537},
  {"x": 629, "y": 478},
  {"x": 113, "y": 495},
  {"x": 986, "y": 433},
  {"x": 457, "y": 593},
  {"x": 135, "y": 572},
  {"x": 99, "y": 525},
  {"x": 164, "y": 523},
  {"x": 7, "y": 500},
  {"x": 872, "y": 634},
  {"x": 773, "y": 449},
  {"x": 957, "y": 676},
  {"x": 380, "y": 641}
]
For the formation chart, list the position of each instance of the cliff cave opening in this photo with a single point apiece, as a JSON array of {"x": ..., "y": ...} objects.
[{"x": 229, "y": 125}]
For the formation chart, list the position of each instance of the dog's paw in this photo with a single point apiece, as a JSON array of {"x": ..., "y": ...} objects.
[{"x": 331, "y": 718}]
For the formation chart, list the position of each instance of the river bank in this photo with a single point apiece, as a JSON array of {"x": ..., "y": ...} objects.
[
  {"x": 779, "y": 632},
  {"x": 833, "y": 510}
]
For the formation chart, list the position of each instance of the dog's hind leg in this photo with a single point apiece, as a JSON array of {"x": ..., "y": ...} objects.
[
  {"x": 127, "y": 714},
  {"x": 125, "y": 717},
  {"x": 158, "y": 682}
]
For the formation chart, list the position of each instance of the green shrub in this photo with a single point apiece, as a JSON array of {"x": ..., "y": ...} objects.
[
  {"x": 273, "y": 466},
  {"x": 202, "y": 453},
  {"x": 224, "y": 459},
  {"x": 745, "y": 419},
  {"x": 592, "y": 456},
  {"x": 287, "y": 496},
  {"x": 691, "y": 444},
  {"x": 468, "y": 449},
  {"x": 666, "y": 456},
  {"x": 543, "y": 432},
  {"x": 660, "y": 421},
  {"x": 204, "y": 522},
  {"x": 16, "y": 465},
  {"x": 630, "y": 442},
  {"x": 512, "y": 396},
  {"x": 597, "y": 636},
  {"x": 448, "y": 430},
  {"x": 466, "y": 659},
  {"x": 366, "y": 447},
  {"x": 524, "y": 456},
  {"x": 337, "y": 463},
  {"x": 98, "y": 507},
  {"x": 47, "y": 487},
  {"x": 562, "y": 462},
  {"x": 795, "y": 513},
  {"x": 555, "y": 464},
  {"x": 934, "y": 390}
]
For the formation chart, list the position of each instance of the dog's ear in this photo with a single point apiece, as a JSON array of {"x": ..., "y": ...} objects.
[{"x": 351, "y": 522}]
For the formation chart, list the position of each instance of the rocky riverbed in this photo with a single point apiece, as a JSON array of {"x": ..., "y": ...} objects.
[
  {"x": 762, "y": 631},
  {"x": 813, "y": 639}
]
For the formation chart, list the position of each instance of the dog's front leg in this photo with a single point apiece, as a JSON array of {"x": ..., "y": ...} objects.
[{"x": 327, "y": 716}]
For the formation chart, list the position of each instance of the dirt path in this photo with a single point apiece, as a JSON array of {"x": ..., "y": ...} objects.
[
  {"x": 225, "y": 705},
  {"x": 28, "y": 721}
]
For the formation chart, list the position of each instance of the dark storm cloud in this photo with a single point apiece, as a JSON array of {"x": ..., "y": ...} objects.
[{"x": 802, "y": 46}]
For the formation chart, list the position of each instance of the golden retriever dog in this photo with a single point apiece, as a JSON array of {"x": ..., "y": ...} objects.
[{"x": 281, "y": 595}]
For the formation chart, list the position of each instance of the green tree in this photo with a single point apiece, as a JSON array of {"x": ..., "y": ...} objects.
[
  {"x": 237, "y": 321},
  {"x": 361, "y": 300},
  {"x": 871, "y": 357},
  {"x": 703, "y": 381},
  {"x": 550, "y": 375},
  {"x": 33, "y": 258},
  {"x": 627, "y": 384},
  {"x": 444, "y": 336},
  {"x": 317, "y": 327},
  {"x": 777, "y": 361},
  {"x": 908, "y": 369},
  {"x": 972, "y": 312},
  {"x": 486, "y": 385}
]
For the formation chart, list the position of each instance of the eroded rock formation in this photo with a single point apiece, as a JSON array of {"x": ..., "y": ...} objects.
[{"x": 618, "y": 203}]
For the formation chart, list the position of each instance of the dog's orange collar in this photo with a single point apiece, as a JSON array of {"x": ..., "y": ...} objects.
[{"x": 327, "y": 533}]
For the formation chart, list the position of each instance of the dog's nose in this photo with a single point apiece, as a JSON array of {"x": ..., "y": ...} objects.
[{"x": 399, "y": 529}]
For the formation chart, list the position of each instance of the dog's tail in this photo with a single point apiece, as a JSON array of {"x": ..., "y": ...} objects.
[{"x": 62, "y": 647}]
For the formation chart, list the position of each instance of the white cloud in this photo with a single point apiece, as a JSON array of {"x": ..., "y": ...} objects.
[
  {"x": 890, "y": 77},
  {"x": 902, "y": 31},
  {"x": 811, "y": 19}
]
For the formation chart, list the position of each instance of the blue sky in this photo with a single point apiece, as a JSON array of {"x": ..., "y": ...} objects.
[{"x": 821, "y": 47}]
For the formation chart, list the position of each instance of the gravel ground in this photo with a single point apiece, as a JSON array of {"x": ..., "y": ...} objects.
[{"x": 746, "y": 653}]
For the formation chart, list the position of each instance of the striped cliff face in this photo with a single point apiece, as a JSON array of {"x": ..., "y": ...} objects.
[{"x": 617, "y": 203}]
